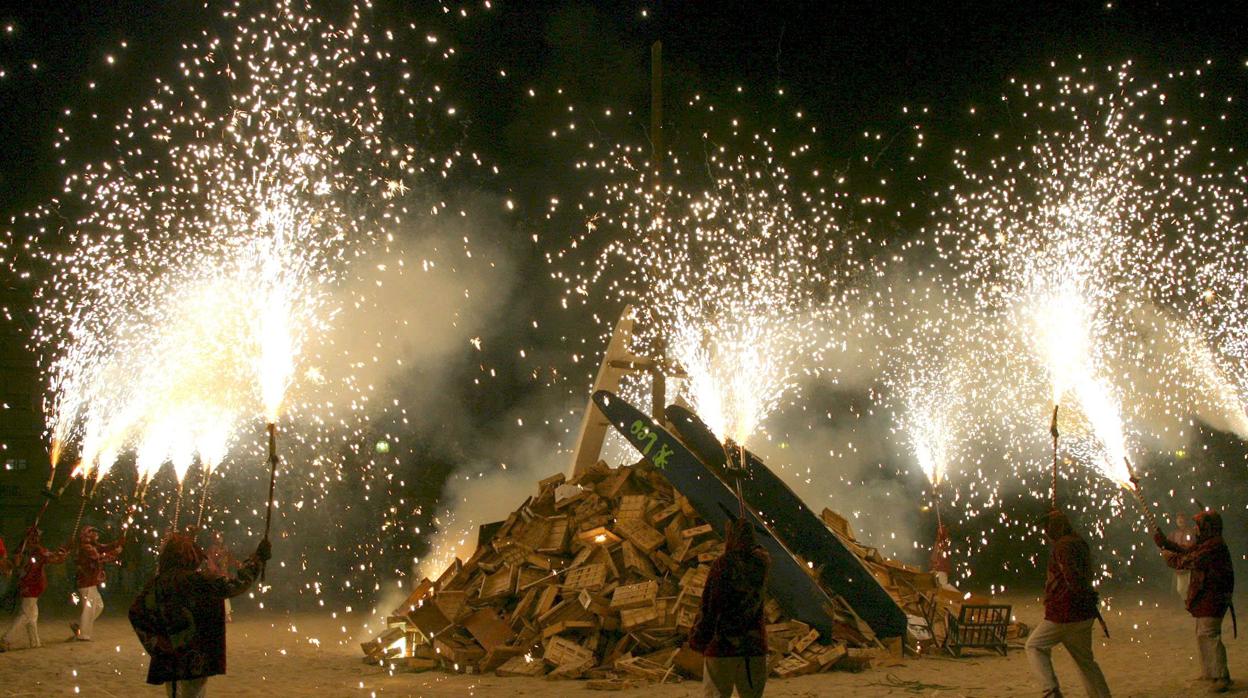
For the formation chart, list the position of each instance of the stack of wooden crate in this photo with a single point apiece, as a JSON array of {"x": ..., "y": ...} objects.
[{"x": 597, "y": 577}]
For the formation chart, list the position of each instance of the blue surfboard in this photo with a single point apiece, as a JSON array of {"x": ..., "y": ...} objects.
[
  {"x": 839, "y": 569},
  {"x": 788, "y": 582}
]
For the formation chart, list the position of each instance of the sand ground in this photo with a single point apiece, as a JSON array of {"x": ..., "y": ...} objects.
[{"x": 275, "y": 654}]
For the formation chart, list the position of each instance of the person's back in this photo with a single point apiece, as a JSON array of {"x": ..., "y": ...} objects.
[
  {"x": 730, "y": 630},
  {"x": 1070, "y": 606},
  {"x": 180, "y": 615}
]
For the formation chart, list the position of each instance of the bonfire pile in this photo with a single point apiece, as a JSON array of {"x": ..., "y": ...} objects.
[{"x": 596, "y": 577}]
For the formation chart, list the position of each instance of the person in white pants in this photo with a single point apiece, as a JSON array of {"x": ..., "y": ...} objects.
[
  {"x": 1070, "y": 606},
  {"x": 32, "y": 582},
  {"x": 92, "y": 556}
]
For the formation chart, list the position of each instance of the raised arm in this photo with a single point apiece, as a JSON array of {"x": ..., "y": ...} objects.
[
  {"x": 1165, "y": 543},
  {"x": 230, "y": 586}
]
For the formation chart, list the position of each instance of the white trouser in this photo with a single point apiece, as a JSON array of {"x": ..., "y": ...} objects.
[
  {"x": 722, "y": 674},
  {"x": 92, "y": 607},
  {"x": 1077, "y": 639},
  {"x": 1212, "y": 651},
  {"x": 27, "y": 618},
  {"x": 1182, "y": 579},
  {"x": 194, "y": 688}
]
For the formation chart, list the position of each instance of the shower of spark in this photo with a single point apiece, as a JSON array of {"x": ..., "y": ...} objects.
[
  {"x": 733, "y": 263},
  {"x": 183, "y": 279}
]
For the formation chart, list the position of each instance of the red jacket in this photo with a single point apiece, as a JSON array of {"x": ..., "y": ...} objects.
[
  {"x": 34, "y": 579},
  {"x": 180, "y": 614},
  {"x": 1213, "y": 576},
  {"x": 1068, "y": 593},
  {"x": 731, "y": 622},
  {"x": 91, "y": 560},
  {"x": 939, "y": 562}
]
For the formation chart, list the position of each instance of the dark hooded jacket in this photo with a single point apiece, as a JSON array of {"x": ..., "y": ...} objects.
[
  {"x": 1068, "y": 593},
  {"x": 180, "y": 614},
  {"x": 731, "y": 622},
  {"x": 1208, "y": 558}
]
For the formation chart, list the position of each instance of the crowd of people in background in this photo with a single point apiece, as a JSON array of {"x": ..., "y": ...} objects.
[{"x": 181, "y": 612}]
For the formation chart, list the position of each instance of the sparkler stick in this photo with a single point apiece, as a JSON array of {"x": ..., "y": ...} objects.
[
  {"x": 1054, "y": 433},
  {"x": 1138, "y": 491},
  {"x": 268, "y": 516},
  {"x": 140, "y": 491},
  {"x": 81, "y": 508},
  {"x": 203, "y": 498},
  {"x": 177, "y": 510}
]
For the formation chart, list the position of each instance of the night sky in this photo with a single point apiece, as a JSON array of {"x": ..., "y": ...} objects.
[{"x": 849, "y": 67}]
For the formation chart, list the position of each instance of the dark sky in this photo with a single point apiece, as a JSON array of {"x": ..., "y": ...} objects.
[{"x": 850, "y": 65}]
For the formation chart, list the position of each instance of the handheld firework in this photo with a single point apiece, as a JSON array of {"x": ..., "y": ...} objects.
[
  {"x": 736, "y": 467},
  {"x": 1138, "y": 491},
  {"x": 268, "y": 516},
  {"x": 1054, "y": 433}
]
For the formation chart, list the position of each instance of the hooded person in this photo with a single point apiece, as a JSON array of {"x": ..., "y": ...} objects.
[
  {"x": 32, "y": 582},
  {"x": 219, "y": 561},
  {"x": 1070, "y": 607},
  {"x": 179, "y": 616},
  {"x": 1183, "y": 535},
  {"x": 730, "y": 631},
  {"x": 939, "y": 563},
  {"x": 91, "y": 557},
  {"x": 1209, "y": 591}
]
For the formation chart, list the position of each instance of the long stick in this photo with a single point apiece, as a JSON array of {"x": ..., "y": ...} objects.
[
  {"x": 81, "y": 508},
  {"x": 177, "y": 510},
  {"x": 140, "y": 489},
  {"x": 1053, "y": 432},
  {"x": 268, "y": 516},
  {"x": 203, "y": 498},
  {"x": 1138, "y": 491}
]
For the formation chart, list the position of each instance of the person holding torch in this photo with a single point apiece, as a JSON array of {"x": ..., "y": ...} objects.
[
  {"x": 91, "y": 557},
  {"x": 1209, "y": 591},
  {"x": 180, "y": 615}
]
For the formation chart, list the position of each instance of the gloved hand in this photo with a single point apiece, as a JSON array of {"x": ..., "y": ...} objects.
[
  {"x": 264, "y": 551},
  {"x": 1159, "y": 538}
]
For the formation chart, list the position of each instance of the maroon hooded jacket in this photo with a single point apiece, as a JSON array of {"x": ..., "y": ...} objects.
[
  {"x": 91, "y": 559},
  {"x": 939, "y": 562},
  {"x": 1068, "y": 593},
  {"x": 180, "y": 614},
  {"x": 34, "y": 576},
  {"x": 731, "y": 622},
  {"x": 1213, "y": 577}
]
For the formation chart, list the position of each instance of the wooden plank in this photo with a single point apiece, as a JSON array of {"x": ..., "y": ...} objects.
[
  {"x": 635, "y": 595},
  {"x": 640, "y": 534},
  {"x": 695, "y": 531},
  {"x": 561, "y": 652},
  {"x": 522, "y": 665},
  {"x": 632, "y": 506},
  {"x": 586, "y": 577},
  {"x": 546, "y": 600},
  {"x": 635, "y": 561},
  {"x": 556, "y": 537},
  {"x": 634, "y": 618},
  {"x": 488, "y": 629}
]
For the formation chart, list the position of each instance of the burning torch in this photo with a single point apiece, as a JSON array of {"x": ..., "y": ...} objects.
[
  {"x": 1054, "y": 433},
  {"x": 268, "y": 516},
  {"x": 1138, "y": 491}
]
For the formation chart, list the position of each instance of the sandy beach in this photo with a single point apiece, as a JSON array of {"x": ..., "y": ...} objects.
[{"x": 1151, "y": 653}]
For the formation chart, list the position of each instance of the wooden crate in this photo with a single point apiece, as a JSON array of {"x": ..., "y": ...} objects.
[
  {"x": 634, "y": 595},
  {"x": 640, "y": 534}
]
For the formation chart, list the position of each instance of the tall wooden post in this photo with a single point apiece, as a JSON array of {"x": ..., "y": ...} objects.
[{"x": 656, "y": 102}]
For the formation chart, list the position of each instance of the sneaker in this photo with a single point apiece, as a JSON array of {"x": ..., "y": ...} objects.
[
  {"x": 1220, "y": 685},
  {"x": 73, "y": 627}
]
